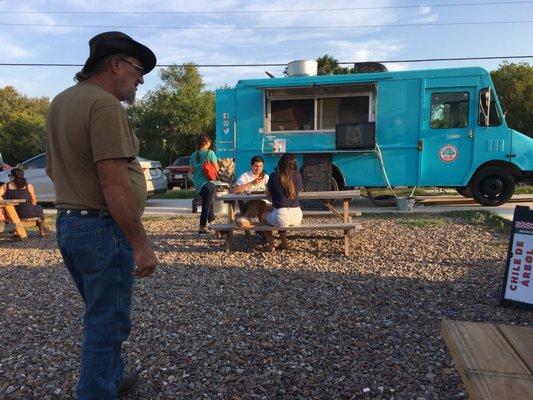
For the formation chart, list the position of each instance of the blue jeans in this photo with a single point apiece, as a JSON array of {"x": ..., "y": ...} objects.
[
  {"x": 101, "y": 263},
  {"x": 208, "y": 196}
]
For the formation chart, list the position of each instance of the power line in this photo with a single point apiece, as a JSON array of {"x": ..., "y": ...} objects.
[
  {"x": 265, "y": 28},
  {"x": 277, "y": 64},
  {"x": 272, "y": 11}
]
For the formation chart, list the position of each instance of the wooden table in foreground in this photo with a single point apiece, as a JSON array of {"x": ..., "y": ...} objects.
[
  {"x": 344, "y": 195},
  {"x": 495, "y": 361},
  {"x": 13, "y": 222}
]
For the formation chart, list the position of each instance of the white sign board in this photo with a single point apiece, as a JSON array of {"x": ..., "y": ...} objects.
[{"x": 518, "y": 288}]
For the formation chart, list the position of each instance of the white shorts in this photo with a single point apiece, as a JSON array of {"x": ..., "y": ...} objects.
[{"x": 287, "y": 216}]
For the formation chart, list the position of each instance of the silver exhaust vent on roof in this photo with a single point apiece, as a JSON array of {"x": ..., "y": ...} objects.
[{"x": 302, "y": 68}]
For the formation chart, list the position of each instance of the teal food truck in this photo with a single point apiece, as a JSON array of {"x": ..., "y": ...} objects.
[{"x": 428, "y": 128}]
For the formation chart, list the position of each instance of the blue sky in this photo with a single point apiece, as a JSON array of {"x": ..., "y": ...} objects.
[{"x": 68, "y": 44}]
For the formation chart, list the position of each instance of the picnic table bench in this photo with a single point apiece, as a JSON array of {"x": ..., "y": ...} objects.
[
  {"x": 13, "y": 223},
  {"x": 495, "y": 361},
  {"x": 347, "y": 225}
]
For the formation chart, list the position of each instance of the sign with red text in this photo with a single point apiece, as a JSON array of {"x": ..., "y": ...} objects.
[{"x": 518, "y": 288}]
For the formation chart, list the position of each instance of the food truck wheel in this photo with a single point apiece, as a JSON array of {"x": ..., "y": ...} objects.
[
  {"x": 464, "y": 191},
  {"x": 334, "y": 187},
  {"x": 492, "y": 186}
]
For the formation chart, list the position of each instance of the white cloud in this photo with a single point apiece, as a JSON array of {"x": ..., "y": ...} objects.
[
  {"x": 26, "y": 86},
  {"x": 426, "y": 15},
  {"x": 371, "y": 50},
  {"x": 396, "y": 67},
  {"x": 10, "y": 50},
  {"x": 30, "y": 15}
]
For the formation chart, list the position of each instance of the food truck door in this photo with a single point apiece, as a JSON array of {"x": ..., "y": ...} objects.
[{"x": 446, "y": 136}]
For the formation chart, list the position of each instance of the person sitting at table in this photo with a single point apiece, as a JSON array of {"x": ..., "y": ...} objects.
[
  {"x": 252, "y": 181},
  {"x": 18, "y": 188},
  {"x": 283, "y": 188}
]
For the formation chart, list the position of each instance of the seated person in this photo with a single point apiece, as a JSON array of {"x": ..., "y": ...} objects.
[
  {"x": 18, "y": 188},
  {"x": 249, "y": 182},
  {"x": 283, "y": 187}
]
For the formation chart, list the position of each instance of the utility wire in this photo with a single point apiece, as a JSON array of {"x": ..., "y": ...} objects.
[
  {"x": 276, "y": 64},
  {"x": 272, "y": 11},
  {"x": 265, "y": 28}
]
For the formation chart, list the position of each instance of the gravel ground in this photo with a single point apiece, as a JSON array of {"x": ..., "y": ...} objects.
[{"x": 307, "y": 323}]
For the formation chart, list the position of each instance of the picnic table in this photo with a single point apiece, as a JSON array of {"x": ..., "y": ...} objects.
[
  {"x": 345, "y": 195},
  {"x": 347, "y": 225},
  {"x": 495, "y": 361},
  {"x": 13, "y": 222}
]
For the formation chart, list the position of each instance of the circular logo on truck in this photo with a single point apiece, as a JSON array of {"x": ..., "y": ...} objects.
[{"x": 448, "y": 153}]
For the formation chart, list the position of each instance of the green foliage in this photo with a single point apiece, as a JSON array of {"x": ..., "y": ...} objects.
[
  {"x": 524, "y": 189},
  {"x": 177, "y": 194},
  {"x": 514, "y": 85},
  {"x": 422, "y": 221},
  {"x": 21, "y": 125},
  {"x": 168, "y": 119},
  {"x": 329, "y": 65},
  {"x": 484, "y": 219}
]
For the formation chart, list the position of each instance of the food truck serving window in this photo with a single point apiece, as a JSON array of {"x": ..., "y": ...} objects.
[
  {"x": 318, "y": 107},
  {"x": 292, "y": 115},
  {"x": 342, "y": 110},
  {"x": 449, "y": 110}
]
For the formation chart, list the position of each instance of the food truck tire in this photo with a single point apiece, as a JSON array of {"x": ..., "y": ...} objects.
[
  {"x": 334, "y": 187},
  {"x": 492, "y": 186},
  {"x": 464, "y": 191}
]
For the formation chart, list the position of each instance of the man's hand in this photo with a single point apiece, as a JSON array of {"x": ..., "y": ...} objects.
[
  {"x": 145, "y": 261},
  {"x": 120, "y": 198}
]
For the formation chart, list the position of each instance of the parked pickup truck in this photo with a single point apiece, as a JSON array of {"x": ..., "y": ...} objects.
[{"x": 178, "y": 173}]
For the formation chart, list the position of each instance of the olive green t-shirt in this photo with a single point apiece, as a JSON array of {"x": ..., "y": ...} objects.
[{"x": 86, "y": 124}]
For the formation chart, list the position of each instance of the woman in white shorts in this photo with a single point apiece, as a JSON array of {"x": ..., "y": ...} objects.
[{"x": 283, "y": 188}]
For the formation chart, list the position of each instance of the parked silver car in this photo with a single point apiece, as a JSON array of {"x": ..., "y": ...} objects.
[
  {"x": 34, "y": 172},
  {"x": 156, "y": 181}
]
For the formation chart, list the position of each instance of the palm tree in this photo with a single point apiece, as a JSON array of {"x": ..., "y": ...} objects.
[{"x": 327, "y": 65}]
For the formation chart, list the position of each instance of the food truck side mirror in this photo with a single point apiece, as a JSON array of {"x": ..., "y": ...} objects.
[{"x": 484, "y": 105}]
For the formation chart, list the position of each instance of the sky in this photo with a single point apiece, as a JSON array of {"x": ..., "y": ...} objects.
[{"x": 43, "y": 31}]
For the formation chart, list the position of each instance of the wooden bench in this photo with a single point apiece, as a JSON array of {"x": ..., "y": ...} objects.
[
  {"x": 495, "y": 361},
  {"x": 228, "y": 229},
  {"x": 19, "y": 227},
  {"x": 12, "y": 221}
]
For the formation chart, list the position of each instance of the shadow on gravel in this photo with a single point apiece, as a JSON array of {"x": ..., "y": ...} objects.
[{"x": 292, "y": 325}]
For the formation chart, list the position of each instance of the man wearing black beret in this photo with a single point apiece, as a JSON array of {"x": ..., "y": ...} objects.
[{"x": 100, "y": 196}]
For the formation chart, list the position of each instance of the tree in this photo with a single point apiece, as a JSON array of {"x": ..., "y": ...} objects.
[
  {"x": 21, "y": 125},
  {"x": 514, "y": 85},
  {"x": 328, "y": 65},
  {"x": 168, "y": 119}
]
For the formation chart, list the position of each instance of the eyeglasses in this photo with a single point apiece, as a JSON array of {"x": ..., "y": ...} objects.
[{"x": 139, "y": 69}]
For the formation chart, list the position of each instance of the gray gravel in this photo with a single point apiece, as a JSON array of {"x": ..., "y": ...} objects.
[{"x": 307, "y": 323}]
